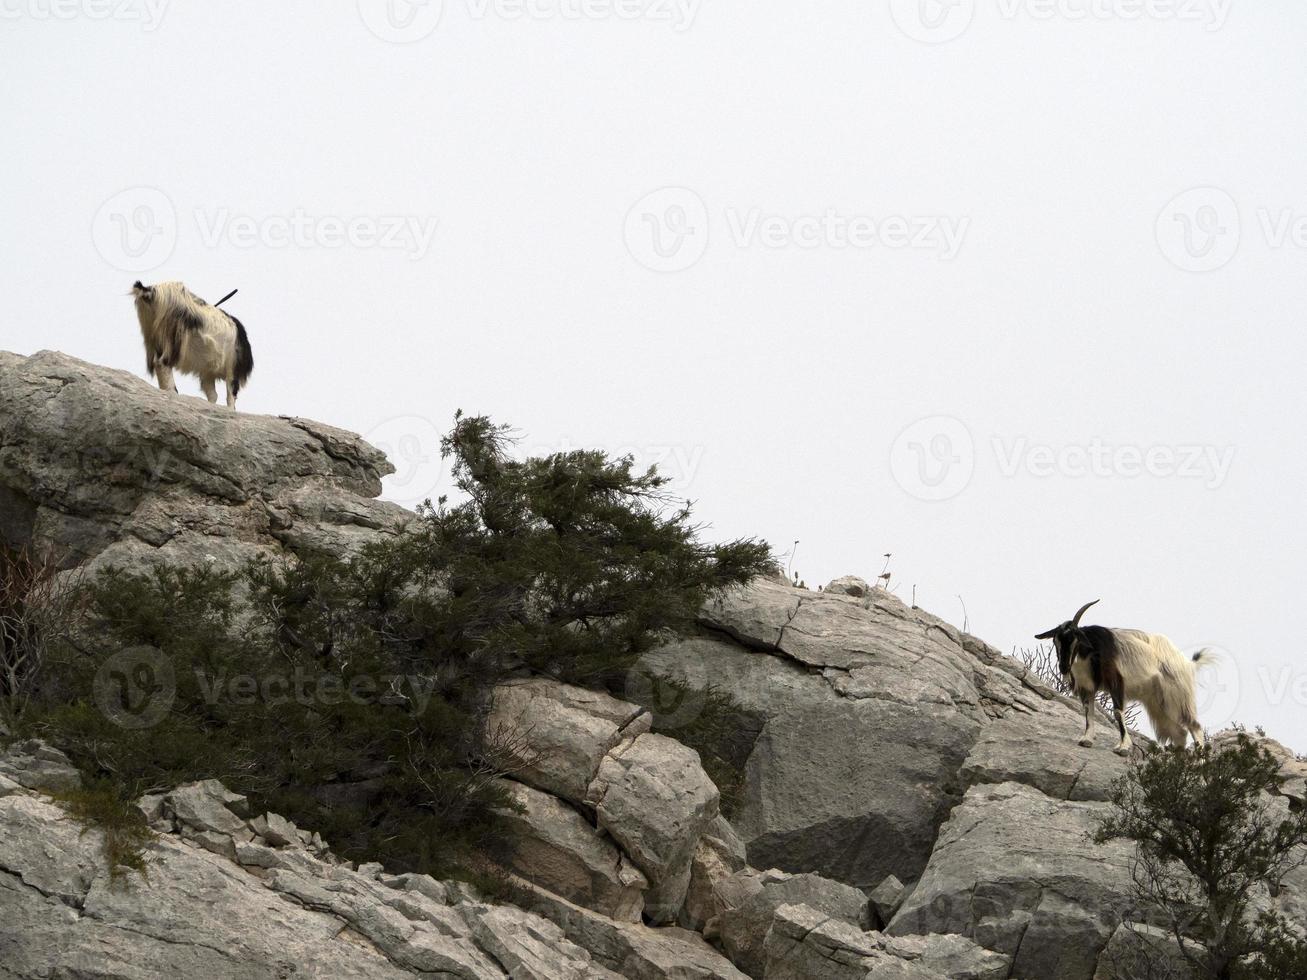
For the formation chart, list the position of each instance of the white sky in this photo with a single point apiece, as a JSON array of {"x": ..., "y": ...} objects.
[{"x": 1052, "y": 287}]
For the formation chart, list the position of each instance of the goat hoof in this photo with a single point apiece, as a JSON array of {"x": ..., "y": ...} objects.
[
  {"x": 1087, "y": 743},
  {"x": 1122, "y": 750}
]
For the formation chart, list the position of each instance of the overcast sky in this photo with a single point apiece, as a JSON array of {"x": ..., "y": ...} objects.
[{"x": 1010, "y": 289}]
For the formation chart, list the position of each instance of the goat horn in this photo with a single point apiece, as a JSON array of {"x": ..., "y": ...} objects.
[{"x": 1075, "y": 620}]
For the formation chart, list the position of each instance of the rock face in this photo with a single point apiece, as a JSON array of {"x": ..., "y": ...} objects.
[
  {"x": 561, "y": 851},
  {"x": 100, "y": 464},
  {"x": 1015, "y": 870},
  {"x": 270, "y": 912},
  {"x": 914, "y": 807},
  {"x": 878, "y": 717},
  {"x": 656, "y": 801}
]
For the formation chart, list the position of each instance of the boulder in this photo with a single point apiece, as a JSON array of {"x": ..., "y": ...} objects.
[
  {"x": 751, "y": 901},
  {"x": 36, "y": 765},
  {"x": 629, "y": 949},
  {"x": 100, "y": 464},
  {"x": 1015, "y": 871},
  {"x": 208, "y": 805},
  {"x": 529, "y": 947},
  {"x": 569, "y": 731},
  {"x": 557, "y": 848},
  {"x": 1139, "y": 950},
  {"x": 276, "y": 830},
  {"x": 719, "y": 854},
  {"x": 885, "y": 899},
  {"x": 874, "y": 715},
  {"x": 1042, "y": 750},
  {"x": 955, "y": 957},
  {"x": 804, "y": 943},
  {"x": 849, "y": 585},
  {"x": 654, "y": 798}
]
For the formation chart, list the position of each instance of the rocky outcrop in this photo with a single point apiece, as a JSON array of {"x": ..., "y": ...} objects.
[
  {"x": 1015, "y": 870},
  {"x": 914, "y": 805},
  {"x": 569, "y": 729},
  {"x": 637, "y": 804},
  {"x": 99, "y": 464},
  {"x": 653, "y": 797},
  {"x": 805, "y": 943},
  {"x": 750, "y": 900},
  {"x": 255, "y": 909},
  {"x": 559, "y": 849},
  {"x": 878, "y": 717}
]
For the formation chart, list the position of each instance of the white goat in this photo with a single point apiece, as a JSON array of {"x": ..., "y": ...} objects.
[
  {"x": 184, "y": 333},
  {"x": 1131, "y": 665}
]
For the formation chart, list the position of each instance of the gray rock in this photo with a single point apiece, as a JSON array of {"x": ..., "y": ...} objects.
[
  {"x": 955, "y": 957},
  {"x": 749, "y": 914},
  {"x": 208, "y": 805},
  {"x": 631, "y": 950},
  {"x": 36, "y": 765},
  {"x": 849, "y": 585},
  {"x": 527, "y": 946},
  {"x": 1014, "y": 870},
  {"x": 151, "y": 806},
  {"x": 278, "y": 831},
  {"x": 553, "y": 845},
  {"x": 1138, "y": 950},
  {"x": 872, "y": 710},
  {"x": 803, "y": 943},
  {"x": 886, "y": 898},
  {"x": 653, "y": 797},
  {"x": 100, "y": 464},
  {"x": 1042, "y": 750},
  {"x": 719, "y": 854},
  {"x": 567, "y": 729}
]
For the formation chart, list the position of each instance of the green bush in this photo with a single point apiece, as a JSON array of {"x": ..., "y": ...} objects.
[
  {"x": 348, "y": 693},
  {"x": 1208, "y": 837}
]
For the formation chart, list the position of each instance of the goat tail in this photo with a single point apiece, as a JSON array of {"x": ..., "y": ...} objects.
[{"x": 1206, "y": 657}]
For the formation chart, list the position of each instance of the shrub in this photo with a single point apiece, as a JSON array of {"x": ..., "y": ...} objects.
[
  {"x": 348, "y": 693},
  {"x": 35, "y": 613},
  {"x": 1209, "y": 836}
]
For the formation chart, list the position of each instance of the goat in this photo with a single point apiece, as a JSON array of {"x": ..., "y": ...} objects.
[
  {"x": 1130, "y": 665},
  {"x": 182, "y": 332}
]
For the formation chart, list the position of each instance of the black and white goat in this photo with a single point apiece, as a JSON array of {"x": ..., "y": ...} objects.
[
  {"x": 1130, "y": 665},
  {"x": 184, "y": 333}
]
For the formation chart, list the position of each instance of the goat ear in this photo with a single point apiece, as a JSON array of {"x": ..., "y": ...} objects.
[{"x": 1045, "y": 636}]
